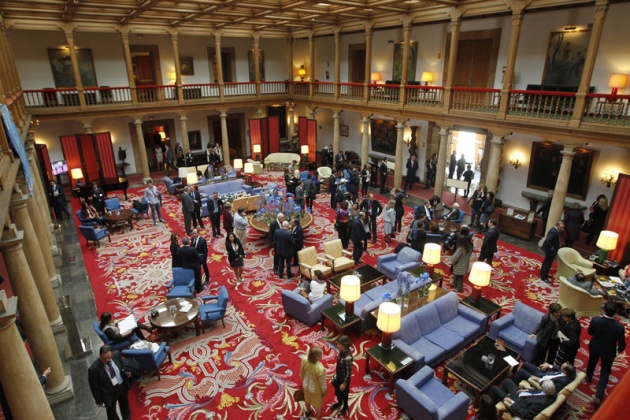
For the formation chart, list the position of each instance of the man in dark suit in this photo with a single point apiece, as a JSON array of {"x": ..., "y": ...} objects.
[
  {"x": 109, "y": 384},
  {"x": 98, "y": 198},
  {"x": 489, "y": 245},
  {"x": 608, "y": 339},
  {"x": 298, "y": 236},
  {"x": 273, "y": 226},
  {"x": 560, "y": 377},
  {"x": 551, "y": 245},
  {"x": 382, "y": 170},
  {"x": 339, "y": 158},
  {"x": 196, "y": 197},
  {"x": 357, "y": 236},
  {"x": 201, "y": 245},
  {"x": 452, "y": 164},
  {"x": 372, "y": 208},
  {"x": 189, "y": 258},
  {"x": 169, "y": 159},
  {"x": 215, "y": 208},
  {"x": 58, "y": 201},
  {"x": 284, "y": 247},
  {"x": 412, "y": 168},
  {"x": 188, "y": 209},
  {"x": 524, "y": 404},
  {"x": 544, "y": 209},
  {"x": 310, "y": 191},
  {"x": 332, "y": 187}
]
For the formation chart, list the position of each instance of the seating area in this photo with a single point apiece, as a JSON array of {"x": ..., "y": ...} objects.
[
  {"x": 405, "y": 260},
  {"x": 148, "y": 360},
  {"x": 182, "y": 285},
  {"x": 115, "y": 346},
  {"x": 584, "y": 303},
  {"x": 297, "y": 306},
  {"x": 214, "y": 308},
  {"x": 280, "y": 159},
  {"x": 92, "y": 234},
  {"x": 337, "y": 257},
  {"x": 570, "y": 262},
  {"x": 310, "y": 262},
  {"x": 515, "y": 328}
]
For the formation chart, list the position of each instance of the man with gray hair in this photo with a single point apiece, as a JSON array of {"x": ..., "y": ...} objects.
[
  {"x": 284, "y": 248},
  {"x": 273, "y": 226},
  {"x": 188, "y": 209}
]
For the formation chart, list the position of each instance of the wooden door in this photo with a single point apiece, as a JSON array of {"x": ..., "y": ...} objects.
[
  {"x": 474, "y": 57},
  {"x": 356, "y": 67},
  {"x": 143, "y": 71}
]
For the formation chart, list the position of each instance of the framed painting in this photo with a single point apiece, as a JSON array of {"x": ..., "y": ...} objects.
[
  {"x": 261, "y": 64},
  {"x": 343, "y": 130},
  {"x": 61, "y": 66},
  {"x": 545, "y": 165},
  {"x": 566, "y": 53},
  {"x": 186, "y": 66},
  {"x": 194, "y": 140},
  {"x": 398, "y": 60},
  {"x": 383, "y": 136}
]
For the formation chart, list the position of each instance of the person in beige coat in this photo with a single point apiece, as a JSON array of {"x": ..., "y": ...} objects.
[{"x": 461, "y": 262}]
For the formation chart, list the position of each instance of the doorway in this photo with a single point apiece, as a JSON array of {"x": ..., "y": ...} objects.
[
  {"x": 476, "y": 61},
  {"x": 356, "y": 63},
  {"x": 156, "y": 134},
  {"x": 235, "y": 126},
  {"x": 145, "y": 62},
  {"x": 228, "y": 65}
]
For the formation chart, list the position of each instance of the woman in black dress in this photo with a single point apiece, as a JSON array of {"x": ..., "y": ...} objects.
[
  {"x": 174, "y": 248},
  {"x": 236, "y": 255},
  {"x": 570, "y": 338}
]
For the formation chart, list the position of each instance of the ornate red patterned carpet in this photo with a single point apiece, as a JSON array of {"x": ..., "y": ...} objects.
[{"x": 250, "y": 368}]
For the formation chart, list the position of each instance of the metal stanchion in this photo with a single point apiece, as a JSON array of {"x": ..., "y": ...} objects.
[{"x": 76, "y": 346}]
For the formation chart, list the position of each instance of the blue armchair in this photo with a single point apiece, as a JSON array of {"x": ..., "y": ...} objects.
[
  {"x": 137, "y": 212},
  {"x": 182, "y": 285},
  {"x": 434, "y": 238},
  {"x": 424, "y": 397},
  {"x": 515, "y": 328},
  {"x": 298, "y": 307},
  {"x": 172, "y": 184},
  {"x": 214, "y": 311},
  {"x": 115, "y": 346},
  {"x": 148, "y": 360},
  {"x": 86, "y": 222},
  {"x": 390, "y": 264},
  {"x": 113, "y": 204},
  {"x": 92, "y": 234}
]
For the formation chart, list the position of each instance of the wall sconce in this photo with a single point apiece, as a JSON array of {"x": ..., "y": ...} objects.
[
  {"x": 407, "y": 140},
  {"x": 302, "y": 72},
  {"x": 162, "y": 135},
  {"x": 609, "y": 178},
  {"x": 616, "y": 82},
  {"x": 516, "y": 161},
  {"x": 376, "y": 77},
  {"x": 426, "y": 77}
]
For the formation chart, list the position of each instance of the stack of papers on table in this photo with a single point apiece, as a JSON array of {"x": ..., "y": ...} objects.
[{"x": 185, "y": 307}]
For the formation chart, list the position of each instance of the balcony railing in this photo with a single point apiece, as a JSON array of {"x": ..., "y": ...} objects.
[{"x": 601, "y": 109}]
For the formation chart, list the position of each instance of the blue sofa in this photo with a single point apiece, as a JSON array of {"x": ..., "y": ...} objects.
[
  {"x": 438, "y": 330},
  {"x": 515, "y": 328},
  {"x": 407, "y": 259},
  {"x": 225, "y": 187},
  {"x": 423, "y": 397},
  {"x": 298, "y": 307}
]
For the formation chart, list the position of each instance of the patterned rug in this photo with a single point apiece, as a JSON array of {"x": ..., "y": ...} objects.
[{"x": 250, "y": 368}]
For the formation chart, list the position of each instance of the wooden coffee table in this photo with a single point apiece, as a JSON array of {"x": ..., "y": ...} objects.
[
  {"x": 166, "y": 323},
  {"x": 366, "y": 274},
  {"x": 118, "y": 218},
  {"x": 476, "y": 377}
]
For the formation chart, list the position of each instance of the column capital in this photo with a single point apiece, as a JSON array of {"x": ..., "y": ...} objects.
[
  {"x": 8, "y": 318},
  {"x": 445, "y": 131},
  {"x": 498, "y": 142},
  {"x": 601, "y": 6},
  {"x": 182, "y": 116},
  {"x": 311, "y": 35},
  {"x": 124, "y": 31},
  {"x": 337, "y": 31},
  {"x": 335, "y": 115},
  {"x": 256, "y": 36},
  {"x": 400, "y": 125},
  {"x": 406, "y": 22},
  {"x": 18, "y": 200},
  {"x": 567, "y": 153},
  {"x": 366, "y": 119},
  {"x": 456, "y": 16},
  {"x": 68, "y": 29},
  {"x": 518, "y": 6},
  {"x": 137, "y": 121},
  {"x": 11, "y": 239},
  {"x": 368, "y": 25},
  {"x": 217, "y": 34}
]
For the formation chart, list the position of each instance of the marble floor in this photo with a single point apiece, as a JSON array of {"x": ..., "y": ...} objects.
[{"x": 76, "y": 285}]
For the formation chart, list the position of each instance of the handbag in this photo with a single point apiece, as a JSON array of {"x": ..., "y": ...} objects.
[{"x": 298, "y": 395}]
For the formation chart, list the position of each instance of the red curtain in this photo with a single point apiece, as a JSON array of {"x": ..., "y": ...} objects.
[
  {"x": 90, "y": 170},
  {"x": 274, "y": 134},
  {"x": 255, "y": 136},
  {"x": 71, "y": 153},
  {"x": 44, "y": 159},
  {"x": 618, "y": 216},
  {"x": 312, "y": 140},
  {"x": 303, "y": 131},
  {"x": 106, "y": 154}
]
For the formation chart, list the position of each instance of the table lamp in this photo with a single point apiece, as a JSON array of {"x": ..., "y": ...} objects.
[
  {"x": 616, "y": 82},
  {"x": 607, "y": 241},
  {"x": 376, "y": 77},
  {"x": 256, "y": 149},
  {"x": 304, "y": 151},
  {"x": 238, "y": 165},
  {"x": 191, "y": 178},
  {"x": 431, "y": 256},
  {"x": 350, "y": 292},
  {"x": 302, "y": 72},
  {"x": 77, "y": 175},
  {"x": 479, "y": 277},
  {"x": 388, "y": 322},
  {"x": 249, "y": 170}
]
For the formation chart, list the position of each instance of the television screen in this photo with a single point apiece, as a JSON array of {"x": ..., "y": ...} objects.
[{"x": 59, "y": 167}]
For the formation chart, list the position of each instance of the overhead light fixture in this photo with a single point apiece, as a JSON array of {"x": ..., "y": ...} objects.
[{"x": 302, "y": 72}]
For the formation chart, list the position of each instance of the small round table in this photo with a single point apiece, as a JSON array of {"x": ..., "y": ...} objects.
[
  {"x": 261, "y": 226},
  {"x": 118, "y": 218},
  {"x": 166, "y": 323}
]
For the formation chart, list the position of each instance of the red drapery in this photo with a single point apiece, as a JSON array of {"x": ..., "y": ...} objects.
[
  {"x": 106, "y": 153},
  {"x": 303, "y": 131},
  {"x": 274, "y": 134},
  {"x": 312, "y": 140},
  {"x": 71, "y": 153},
  {"x": 90, "y": 170},
  {"x": 42, "y": 152},
  {"x": 264, "y": 131},
  {"x": 254, "y": 135},
  {"x": 618, "y": 216}
]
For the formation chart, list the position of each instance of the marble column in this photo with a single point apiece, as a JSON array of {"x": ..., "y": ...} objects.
[
  {"x": 41, "y": 191},
  {"x": 365, "y": 141},
  {"x": 183, "y": 123},
  {"x": 560, "y": 190},
  {"x": 142, "y": 150},
  {"x": 398, "y": 163},
  {"x": 441, "y": 165},
  {"x": 311, "y": 64},
  {"x": 291, "y": 71},
  {"x": 26, "y": 398},
  {"x": 405, "y": 64},
  {"x": 518, "y": 8},
  {"x": 227, "y": 163},
  {"x": 336, "y": 133},
  {"x": 494, "y": 166},
  {"x": 291, "y": 121},
  {"x": 33, "y": 316},
  {"x": 256, "y": 37},
  {"x": 312, "y": 112},
  {"x": 36, "y": 260}
]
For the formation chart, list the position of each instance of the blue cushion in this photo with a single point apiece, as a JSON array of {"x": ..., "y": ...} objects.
[
  {"x": 514, "y": 337},
  {"x": 429, "y": 350},
  {"x": 446, "y": 339},
  {"x": 525, "y": 317},
  {"x": 374, "y": 294},
  {"x": 462, "y": 327},
  {"x": 438, "y": 393},
  {"x": 409, "y": 330},
  {"x": 447, "y": 307},
  {"x": 428, "y": 319}
]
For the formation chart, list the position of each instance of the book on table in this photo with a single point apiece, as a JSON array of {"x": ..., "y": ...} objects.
[{"x": 127, "y": 324}]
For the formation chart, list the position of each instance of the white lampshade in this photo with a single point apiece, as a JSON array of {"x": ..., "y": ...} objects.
[
  {"x": 304, "y": 149},
  {"x": 191, "y": 178},
  {"x": 249, "y": 168},
  {"x": 256, "y": 148},
  {"x": 76, "y": 173},
  {"x": 607, "y": 240},
  {"x": 480, "y": 274},
  {"x": 432, "y": 253},
  {"x": 388, "y": 317},
  {"x": 350, "y": 288},
  {"x": 238, "y": 163}
]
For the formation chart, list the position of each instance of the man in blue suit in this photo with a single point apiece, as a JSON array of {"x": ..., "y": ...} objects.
[
  {"x": 608, "y": 339},
  {"x": 284, "y": 247},
  {"x": 551, "y": 245}
]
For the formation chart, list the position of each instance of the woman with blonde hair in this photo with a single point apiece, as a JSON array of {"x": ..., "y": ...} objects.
[
  {"x": 313, "y": 376},
  {"x": 389, "y": 217}
]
